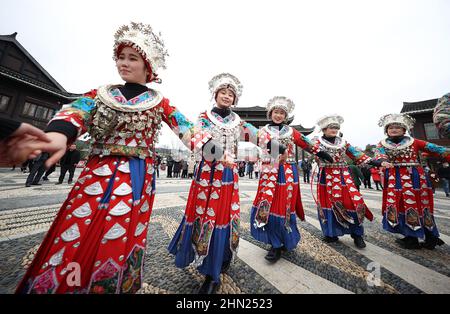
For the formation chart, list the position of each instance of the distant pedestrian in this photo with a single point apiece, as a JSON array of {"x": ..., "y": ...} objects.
[
  {"x": 191, "y": 167},
  {"x": 37, "y": 171},
  {"x": 242, "y": 169},
  {"x": 257, "y": 169},
  {"x": 170, "y": 164},
  {"x": 68, "y": 163},
  {"x": 157, "y": 164},
  {"x": 444, "y": 175},
  {"x": 367, "y": 173},
  {"x": 306, "y": 169},
  {"x": 184, "y": 168},
  {"x": 176, "y": 169},
  {"x": 48, "y": 172},
  {"x": 375, "y": 172},
  {"x": 250, "y": 170}
]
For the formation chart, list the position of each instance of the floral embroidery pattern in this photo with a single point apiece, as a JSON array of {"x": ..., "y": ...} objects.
[{"x": 148, "y": 95}]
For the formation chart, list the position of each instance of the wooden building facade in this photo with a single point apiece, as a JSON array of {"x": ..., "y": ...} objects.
[{"x": 28, "y": 93}]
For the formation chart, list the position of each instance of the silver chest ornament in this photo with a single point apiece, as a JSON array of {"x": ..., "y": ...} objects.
[
  {"x": 104, "y": 121},
  {"x": 403, "y": 151},
  {"x": 228, "y": 138},
  {"x": 227, "y": 134},
  {"x": 108, "y": 122},
  {"x": 284, "y": 137},
  {"x": 335, "y": 153},
  {"x": 336, "y": 150},
  {"x": 288, "y": 143}
]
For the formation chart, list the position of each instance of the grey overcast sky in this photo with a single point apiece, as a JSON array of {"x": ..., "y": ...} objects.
[{"x": 360, "y": 59}]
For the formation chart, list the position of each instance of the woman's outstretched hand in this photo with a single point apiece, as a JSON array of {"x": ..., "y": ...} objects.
[
  {"x": 24, "y": 143},
  {"x": 18, "y": 149},
  {"x": 57, "y": 148}
]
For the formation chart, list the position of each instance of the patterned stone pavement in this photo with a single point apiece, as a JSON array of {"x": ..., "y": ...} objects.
[{"x": 313, "y": 267}]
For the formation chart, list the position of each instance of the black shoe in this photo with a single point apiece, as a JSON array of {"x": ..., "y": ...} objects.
[
  {"x": 225, "y": 267},
  {"x": 273, "y": 255},
  {"x": 283, "y": 249},
  {"x": 36, "y": 183},
  {"x": 409, "y": 243},
  {"x": 431, "y": 241},
  {"x": 359, "y": 242},
  {"x": 44, "y": 179},
  {"x": 27, "y": 185},
  {"x": 209, "y": 286},
  {"x": 58, "y": 183},
  {"x": 70, "y": 182},
  {"x": 328, "y": 239},
  {"x": 205, "y": 284}
]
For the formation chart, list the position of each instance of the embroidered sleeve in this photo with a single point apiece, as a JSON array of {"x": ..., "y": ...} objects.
[
  {"x": 78, "y": 113},
  {"x": 433, "y": 149},
  {"x": 249, "y": 133},
  {"x": 263, "y": 140},
  {"x": 380, "y": 153},
  {"x": 304, "y": 142},
  {"x": 178, "y": 122},
  {"x": 356, "y": 155},
  {"x": 316, "y": 144},
  {"x": 202, "y": 133}
]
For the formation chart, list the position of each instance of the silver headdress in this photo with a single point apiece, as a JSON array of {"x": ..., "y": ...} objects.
[
  {"x": 329, "y": 120},
  {"x": 142, "y": 38},
  {"x": 280, "y": 102},
  {"x": 401, "y": 119},
  {"x": 226, "y": 80}
]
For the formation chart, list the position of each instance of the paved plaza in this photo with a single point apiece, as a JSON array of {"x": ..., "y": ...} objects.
[{"x": 313, "y": 267}]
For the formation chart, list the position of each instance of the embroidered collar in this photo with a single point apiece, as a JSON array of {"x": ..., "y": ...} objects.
[
  {"x": 111, "y": 96},
  {"x": 222, "y": 112},
  {"x": 338, "y": 142},
  {"x": 131, "y": 90},
  {"x": 230, "y": 122},
  {"x": 404, "y": 143},
  {"x": 286, "y": 131}
]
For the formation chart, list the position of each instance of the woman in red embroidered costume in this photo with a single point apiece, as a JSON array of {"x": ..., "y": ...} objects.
[
  {"x": 100, "y": 231},
  {"x": 341, "y": 208},
  {"x": 278, "y": 199},
  {"x": 208, "y": 235},
  {"x": 408, "y": 203}
]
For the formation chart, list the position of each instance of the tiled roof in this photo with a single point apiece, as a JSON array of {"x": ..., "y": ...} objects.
[
  {"x": 419, "y": 106},
  {"x": 57, "y": 89},
  {"x": 5, "y": 72}
]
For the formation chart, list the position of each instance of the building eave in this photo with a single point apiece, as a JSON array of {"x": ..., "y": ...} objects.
[
  {"x": 12, "y": 39},
  {"x": 42, "y": 88},
  {"x": 419, "y": 111}
]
